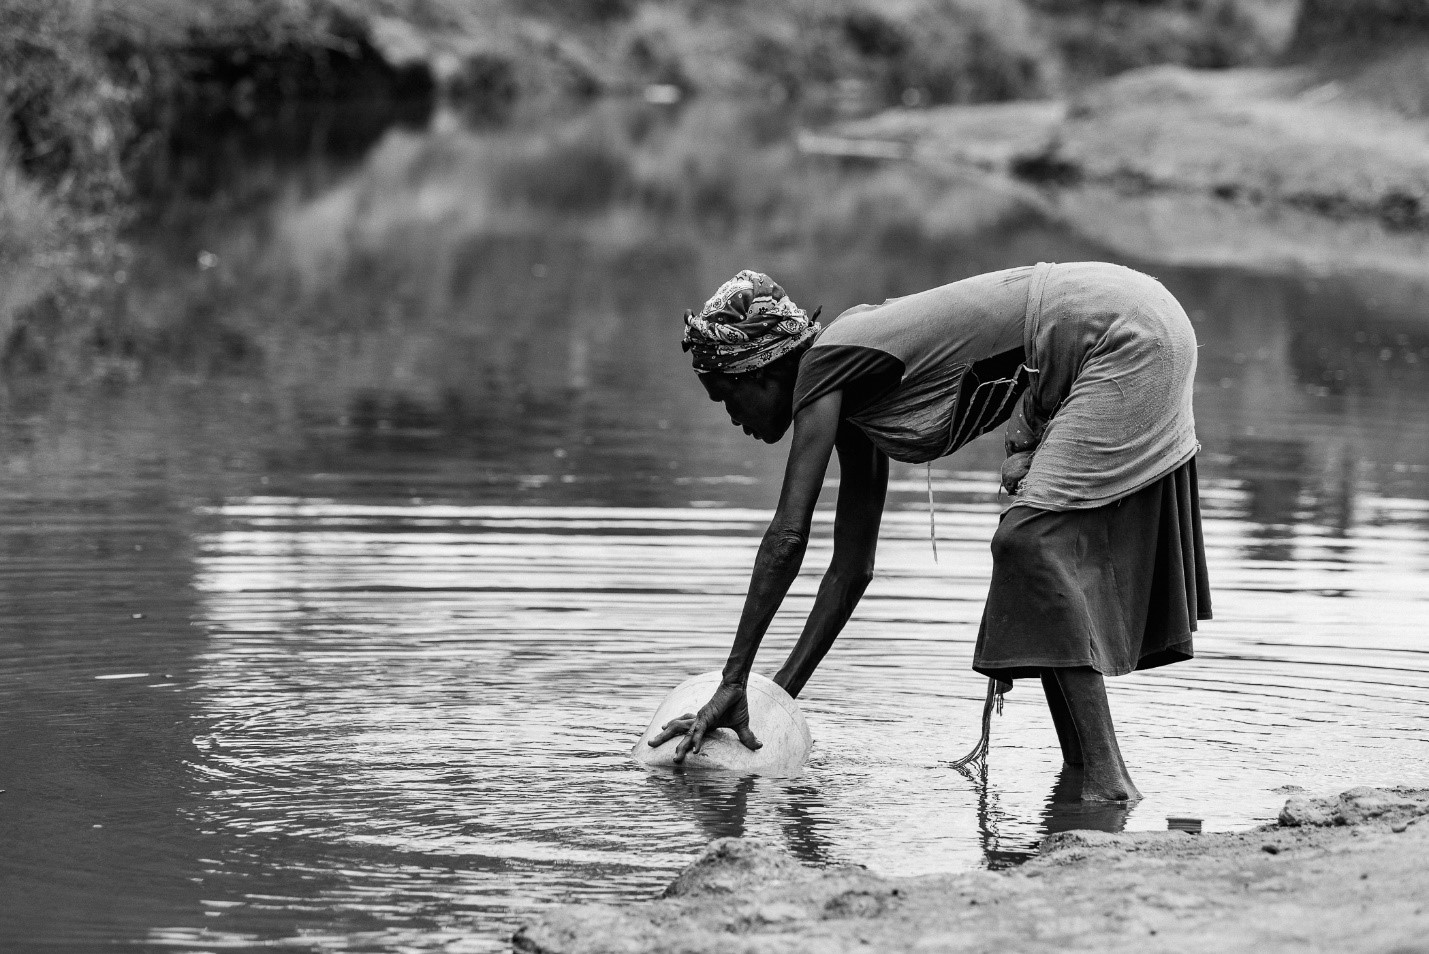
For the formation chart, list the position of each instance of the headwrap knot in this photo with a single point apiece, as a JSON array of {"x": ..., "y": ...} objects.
[{"x": 748, "y": 323}]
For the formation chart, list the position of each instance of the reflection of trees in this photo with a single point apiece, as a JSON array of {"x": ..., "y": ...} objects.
[
  {"x": 1273, "y": 473},
  {"x": 1306, "y": 387},
  {"x": 97, "y": 562},
  {"x": 477, "y": 293},
  {"x": 516, "y": 289},
  {"x": 1359, "y": 340}
]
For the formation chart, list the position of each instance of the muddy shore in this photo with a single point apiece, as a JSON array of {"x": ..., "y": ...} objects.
[{"x": 1345, "y": 873}]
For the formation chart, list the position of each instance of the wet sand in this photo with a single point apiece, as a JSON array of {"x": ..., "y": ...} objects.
[{"x": 1342, "y": 873}]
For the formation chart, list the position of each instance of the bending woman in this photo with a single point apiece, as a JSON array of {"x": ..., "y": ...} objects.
[{"x": 1098, "y": 563}]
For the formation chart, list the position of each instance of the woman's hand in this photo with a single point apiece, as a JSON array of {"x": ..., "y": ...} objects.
[{"x": 728, "y": 708}]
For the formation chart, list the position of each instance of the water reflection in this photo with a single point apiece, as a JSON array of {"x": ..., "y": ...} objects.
[
  {"x": 720, "y": 804},
  {"x": 1066, "y": 811},
  {"x": 1273, "y": 479},
  {"x": 1008, "y": 841},
  {"x": 424, "y": 551}
]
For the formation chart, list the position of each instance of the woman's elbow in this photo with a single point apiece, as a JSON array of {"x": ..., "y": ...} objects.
[{"x": 787, "y": 543}]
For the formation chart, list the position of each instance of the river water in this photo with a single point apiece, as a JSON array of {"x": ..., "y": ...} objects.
[{"x": 335, "y": 634}]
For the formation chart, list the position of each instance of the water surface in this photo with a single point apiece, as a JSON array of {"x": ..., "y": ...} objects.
[{"x": 336, "y": 636}]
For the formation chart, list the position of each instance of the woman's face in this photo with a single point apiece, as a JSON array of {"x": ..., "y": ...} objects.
[{"x": 759, "y": 403}]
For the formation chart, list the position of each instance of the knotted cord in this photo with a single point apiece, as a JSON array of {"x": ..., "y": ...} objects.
[
  {"x": 994, "y": 701},
  {"x": 995, "y": 689},
  {"x": 932, "y": 524}
]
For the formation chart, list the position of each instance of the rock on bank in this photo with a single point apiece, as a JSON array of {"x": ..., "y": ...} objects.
[{"x": 1337, "y": 874}]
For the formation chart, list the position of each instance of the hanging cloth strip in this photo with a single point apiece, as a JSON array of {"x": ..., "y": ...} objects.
[
  {"x": 995, "y": 688},
  {"x": 995, "y": 691}
]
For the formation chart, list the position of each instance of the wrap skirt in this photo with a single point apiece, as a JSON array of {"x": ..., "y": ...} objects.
[{"x": 1117, "y": 588}]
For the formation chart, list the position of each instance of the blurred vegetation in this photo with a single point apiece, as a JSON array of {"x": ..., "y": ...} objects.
[
  {"x": 96, "y": 96},
  {"x": 1336, "y": 23},
  {"x": 1099, "y": 38}
]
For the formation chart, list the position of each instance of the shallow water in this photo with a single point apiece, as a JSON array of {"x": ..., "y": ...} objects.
[{"x": 337, "y": 638}]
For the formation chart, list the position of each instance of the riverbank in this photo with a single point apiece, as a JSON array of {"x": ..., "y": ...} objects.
[
  {"x": 1311, "y": 166},
  {"x": 104, "y": 102},
  {"x": 1335, "y": 874}
]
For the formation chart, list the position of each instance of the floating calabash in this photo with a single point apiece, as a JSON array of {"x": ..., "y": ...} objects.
[{"x": 773, "y": 715}]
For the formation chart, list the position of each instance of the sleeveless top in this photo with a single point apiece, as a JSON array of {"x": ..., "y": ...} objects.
[
  {"x": 1094, "y": 364},
  {"x": 924, "y": 374}
]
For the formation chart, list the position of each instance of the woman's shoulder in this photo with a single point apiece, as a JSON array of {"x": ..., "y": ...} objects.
[
  {"x": 849, "y": 326},
  {"x": 861, "y": 371}
]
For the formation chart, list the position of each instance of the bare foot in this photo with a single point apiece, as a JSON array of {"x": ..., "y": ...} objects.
[
  {"x": 1106, "y": 778},
  {"x": 1109, "y": 790}
]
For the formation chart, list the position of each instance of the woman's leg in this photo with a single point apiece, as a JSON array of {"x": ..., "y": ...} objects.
[
  {"x": 1062, "y": 719},
  {"x": 1104, "y": 773}
]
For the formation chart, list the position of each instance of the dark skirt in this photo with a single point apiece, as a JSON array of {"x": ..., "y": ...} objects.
[{"x": 1117, "y": 588}]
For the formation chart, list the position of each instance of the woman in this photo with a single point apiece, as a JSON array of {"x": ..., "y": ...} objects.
[{"x": 1098, "y": 563}]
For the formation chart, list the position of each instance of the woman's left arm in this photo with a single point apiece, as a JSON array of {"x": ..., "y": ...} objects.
[{"x": 863, "y": 486}]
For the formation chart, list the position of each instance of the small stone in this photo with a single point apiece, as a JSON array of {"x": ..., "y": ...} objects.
[
  {"x": 1301, "y": 811},
  {"x": 780, "y": 913},
  {"x": 1270, "y": 849}
]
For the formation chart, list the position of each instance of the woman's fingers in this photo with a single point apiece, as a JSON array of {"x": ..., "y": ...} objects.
[
  {"x": 691, "y": 743},
  {"x": 671, "y": 729},
  {"x": 695, "y": 732}
]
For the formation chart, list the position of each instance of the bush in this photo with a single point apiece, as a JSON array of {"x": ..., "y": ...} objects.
[
  {"x": 965, "y": 51},
  {"x": 931, "y": 51},
  {"x": 1099, "y": 38},
  {"x": 1330, "y": 23},
  {"x": 65, "y": 118}
]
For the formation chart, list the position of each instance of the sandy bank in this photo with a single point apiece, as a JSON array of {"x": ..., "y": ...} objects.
[
  {"x": 1336, "y": 874},
  {"x": 1262, "y": 167}
]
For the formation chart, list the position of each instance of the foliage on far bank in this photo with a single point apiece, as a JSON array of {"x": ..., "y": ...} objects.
[
  {"x": 1101, "y": 38},
  {"x": 93, "y": 91}
]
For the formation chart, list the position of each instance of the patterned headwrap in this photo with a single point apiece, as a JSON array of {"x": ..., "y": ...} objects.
[{"x": 747, "y": 324}]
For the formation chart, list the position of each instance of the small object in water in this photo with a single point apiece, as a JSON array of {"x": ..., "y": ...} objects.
[
  {"x": 1183, "y": 823},
  {"x": 136, "y": 615},
  {"x": 774, "y": 717},
  {"x": 663, "y": 94}
]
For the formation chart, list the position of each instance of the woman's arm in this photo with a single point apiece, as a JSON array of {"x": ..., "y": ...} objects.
[
  {"x": 781, "y": 553},
  {"x": 863, "y": 485}
]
